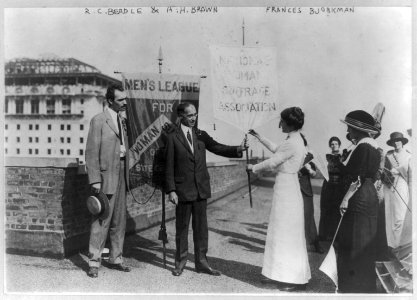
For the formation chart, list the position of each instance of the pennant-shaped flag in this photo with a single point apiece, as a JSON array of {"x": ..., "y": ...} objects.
[{"x": 329, "y": 265}]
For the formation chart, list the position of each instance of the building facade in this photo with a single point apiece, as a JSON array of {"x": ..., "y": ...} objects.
[{"x": 49, "y": 103}]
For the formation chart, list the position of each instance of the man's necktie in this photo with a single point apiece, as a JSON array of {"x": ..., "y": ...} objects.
[
  {"x": 189, "y": 138},
  {"x": 123, "y": 122}
]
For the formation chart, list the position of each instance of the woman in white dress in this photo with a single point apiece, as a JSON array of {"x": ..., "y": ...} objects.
[
  {"x": 397, "y": 180},
  {"x": 285, "y": 258}
]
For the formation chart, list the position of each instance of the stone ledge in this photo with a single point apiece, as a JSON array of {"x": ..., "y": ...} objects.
[{"x": 44, "y": 162}]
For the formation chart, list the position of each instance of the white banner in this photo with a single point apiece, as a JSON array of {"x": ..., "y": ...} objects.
[{"x": 244, "y": 84}]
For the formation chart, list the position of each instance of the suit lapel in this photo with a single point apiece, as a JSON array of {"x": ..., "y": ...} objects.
[
  {"x": 195, "y": 141},
  {"x": 110, "y": 122}
]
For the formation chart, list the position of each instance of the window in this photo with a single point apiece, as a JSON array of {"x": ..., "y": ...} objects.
[
  {"x": 81, "y": 126},
  {"x": 62, "y": 127},
  {"x": 18, "y": 139},
  {"x": 68, "y": 127},
  {"x": 30, "y": 140},
  {"x": 49, "y": 151},
  {"x": 7, "y": 126},
  {"x": 36, "y": 140},
  {"x": 49, "y": 140},
  {"x": 30, "y": 151},
  {"x": 37, "y": 126},
  {"x": 81, "y": 140},
  {"x": 49, "y": 127},
  {"x": 62, "y": 140},
  {"x": 81, "y": 152},
  {"x": 50, "y": 106},
  {"x": 34, "y": 106},
  {"x": 30, "y": 126},
  {"x": 5, "y": 150},
  {"x": 18, "y": 126},
  {"x": 36, "y": 151},
  {"x": 66, "y": 106},
  {"x": 82, "y": 101},
  {"x": 19, "y": 106},
  {"x": 6, "y": 106},
  {"x": 68, "y": 140},
  {"x": 6, "y": 139},
  {"x": 68, "y": 151},
  {"x": 17, "y": 151},
  {"x": 62, "y": 151}
]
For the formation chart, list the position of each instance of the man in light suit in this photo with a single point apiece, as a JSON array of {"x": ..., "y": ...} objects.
[
  {"x": 106, "y": 157},
  {"x": 188, "y": 185}
]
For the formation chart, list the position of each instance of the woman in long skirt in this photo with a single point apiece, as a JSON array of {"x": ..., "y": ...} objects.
[
  {"x": 356, "y": 247},
  {"x": 285, "y": 258},
  {"x": 331, "y": 193},
  {"x": 396, "y": 190}
]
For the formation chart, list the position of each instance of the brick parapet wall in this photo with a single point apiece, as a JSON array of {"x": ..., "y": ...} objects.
[{"x": 46, "y": 212}]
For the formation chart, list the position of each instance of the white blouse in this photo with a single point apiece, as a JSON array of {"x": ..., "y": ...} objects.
[{"x": 288, "y": 157}]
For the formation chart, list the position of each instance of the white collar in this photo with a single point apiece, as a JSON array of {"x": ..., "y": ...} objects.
[
  {"x": 369, "y": 141},
  {"x": 292, "y": 133},
  {"x": 366, "y": 140},
  {"x": 185, "y": 129}
]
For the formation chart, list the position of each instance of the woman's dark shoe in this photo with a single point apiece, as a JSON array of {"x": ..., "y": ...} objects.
[{"x": 177, "y": 272}]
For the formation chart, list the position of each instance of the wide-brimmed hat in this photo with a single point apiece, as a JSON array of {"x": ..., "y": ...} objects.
[
  {"x": 98, "y": 205},
  {"x": 396, "y": 136},
  {"x": 361, "y": 120}
]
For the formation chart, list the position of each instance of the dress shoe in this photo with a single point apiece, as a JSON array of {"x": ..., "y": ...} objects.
[
  {"x": 209, "y": 271},
  {"x": 119, "y": 267},
  {"x": 177, "y": 272},
  {"x": 292, "y": 287},
  {"x": 93, "y": 272}
]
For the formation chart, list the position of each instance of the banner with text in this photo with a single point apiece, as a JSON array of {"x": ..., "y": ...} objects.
[
  {"x": 244, "y": 83},
  {"x": 151, "y": 112}
]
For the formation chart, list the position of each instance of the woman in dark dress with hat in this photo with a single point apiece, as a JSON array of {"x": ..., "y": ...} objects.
[
  {"x": 356, "y": 239},
  {"x": 331, "y": 192}
]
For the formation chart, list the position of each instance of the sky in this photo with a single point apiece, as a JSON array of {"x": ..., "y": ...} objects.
[{"x": 327, "y": 63}]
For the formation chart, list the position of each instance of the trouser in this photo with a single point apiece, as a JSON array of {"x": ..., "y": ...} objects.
[
  {"x": 115, "y": 222},
  {"x": 198, "y": 211}
]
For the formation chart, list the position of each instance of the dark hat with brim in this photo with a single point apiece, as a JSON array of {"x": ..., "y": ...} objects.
[
  {"x": 362, "y": 121},
  {"x": 98, "y": 205},
  {"x": 396, "y": 136}
]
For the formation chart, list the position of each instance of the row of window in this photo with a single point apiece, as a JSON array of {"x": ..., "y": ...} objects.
[
  {"x": 34, "y": 106},
  {"x": 36, "y": 127},
  {"x": 36, "y": 140},
  {"x": 49, "y": 151}
]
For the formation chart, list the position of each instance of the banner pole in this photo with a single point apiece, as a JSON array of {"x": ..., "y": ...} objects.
[
  {"x": 248, "y": 172},
  {"x": 163, "y": 231}
]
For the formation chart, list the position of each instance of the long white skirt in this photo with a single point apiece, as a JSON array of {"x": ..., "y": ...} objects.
[
  {"x": 395, "y": 212},
  {"x": 285, "y": 257}
]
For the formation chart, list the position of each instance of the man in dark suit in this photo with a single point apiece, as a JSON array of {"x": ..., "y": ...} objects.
[
  {"x": 188, "y": 185},
  {"x": 106, "y": 156}
]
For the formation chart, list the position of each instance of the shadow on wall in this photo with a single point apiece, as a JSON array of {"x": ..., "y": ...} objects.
[{"x": 76, "y": 218}]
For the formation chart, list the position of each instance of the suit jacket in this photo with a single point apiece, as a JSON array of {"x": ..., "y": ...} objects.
[
  {"x": 102, "y": 154},
  {"x": 304, "y": 177},
  {"x": 186, "y": 173}
]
